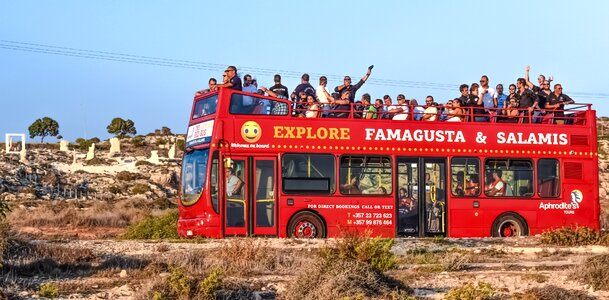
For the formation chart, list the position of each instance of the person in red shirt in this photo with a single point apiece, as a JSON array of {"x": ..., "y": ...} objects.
[{"x": 497, "y": 187}]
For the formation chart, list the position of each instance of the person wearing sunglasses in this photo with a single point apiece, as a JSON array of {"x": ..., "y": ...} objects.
[{"x": 234, "y": 82}]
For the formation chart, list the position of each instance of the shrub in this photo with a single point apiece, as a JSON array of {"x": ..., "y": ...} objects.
[
  {"x": 471, "y": 292},
  {"x": 138, "y": 141},
  {"x": 126, "y": 176},
  {"x": 343, "y": 278},
  {"x": 180, "y": 144},
  {"x": 552, "y": 292},
  {"x": 594, "y": 271},
  {"x": 375, "y": 251},
  {"x": 161, "y": 227},
  {"x": 4, "y": 209},
  {"x": 210, "y": 285},
  {"x": 573, "y": 236},
  {"x": 246, "y": 256},
  {"x": 178, "y": 283},
  {"x": 140, "y": 188},
  {"x": 48, "y": 290},
  {"x": 143, "y": 163}
]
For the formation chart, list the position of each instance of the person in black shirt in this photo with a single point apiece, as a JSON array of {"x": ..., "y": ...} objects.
[
  {"x": 234, "y": 82},
  {"x": 527, "y": 99},
  {"x": 556, "y": 104},
  {"x": 281, "y": 91},
  {"x": 304, "y": 86},
  {"x": 352, "y": 89},
  {"x": 464, "y": 94},
  {"x": 476, "y": 102}
]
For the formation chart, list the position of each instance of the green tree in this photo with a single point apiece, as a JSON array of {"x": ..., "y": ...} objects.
[
  {"x": 121, "y": 128},
  {"x": 43, "y": 128},
  {"x": 166, "y": 130}
]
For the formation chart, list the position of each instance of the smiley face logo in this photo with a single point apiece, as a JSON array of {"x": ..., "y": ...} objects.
[{"x": 251, "y": 131}]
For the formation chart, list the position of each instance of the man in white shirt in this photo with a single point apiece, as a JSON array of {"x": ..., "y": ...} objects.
[
  {"x": 431, "y": 112},
  {"x": 401, "y": 110},
  {"x": 321, "y": 92}
]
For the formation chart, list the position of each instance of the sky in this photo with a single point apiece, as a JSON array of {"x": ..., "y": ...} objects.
[{"x": 84, "y": 63}]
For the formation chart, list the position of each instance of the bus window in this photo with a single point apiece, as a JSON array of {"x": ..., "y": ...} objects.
[
  {"x": 308, "y": 173},
  {"x": 251, "y": 105},
  {"x": 465, "y": 177},
  {"x": 365, "y": 175},
  {"x": 194, "y": 170},
  {"x": 508, "y": 177},
  {"x": 548, "y": 179},
  {"x": 205, "y": 107}
]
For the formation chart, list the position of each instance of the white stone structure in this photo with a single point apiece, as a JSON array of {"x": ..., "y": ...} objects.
[
  {"x": 63, "y": 146},
  {"x": 91, "y": 153},
  {"x": 154, "y": 157},
  {"x": 12, "y": 147},
  {"x": 115, "y": 146},
  {"x": 23, "y": 156},
  {"x": 172, "y": 152}
]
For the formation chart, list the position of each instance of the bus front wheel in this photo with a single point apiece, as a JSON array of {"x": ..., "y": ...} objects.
[
  {"x": 509, "y": 225},
  {"x": 306, "y": 225}
]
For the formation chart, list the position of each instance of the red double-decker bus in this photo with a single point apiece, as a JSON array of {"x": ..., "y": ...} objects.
[{"x": 251, "y": 168}]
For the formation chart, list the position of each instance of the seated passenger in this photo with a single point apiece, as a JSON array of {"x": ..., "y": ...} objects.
[
  {"x": 400, "y": 112},
  {"x": 512, "y": 113},
  {"x": 473, "y": 185},
  {"x": 431, "y": 112},
  {"x": 497, "y": 187},
  {"x": 233, "y": 184},
  {"x": 312, "y": 108},
  {"x": 406, "y": 202},
  {"x": 352, "y": 188},
  {"x": 378, "y": 104},
  {"x": 341, "y": 107},
  {"x": 455, "y": 113},
  {"x": 417, "y": 111},
  {"x": 369, "y": 111}
]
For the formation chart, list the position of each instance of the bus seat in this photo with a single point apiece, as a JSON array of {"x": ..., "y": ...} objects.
[{"x": 549, "y": 187}]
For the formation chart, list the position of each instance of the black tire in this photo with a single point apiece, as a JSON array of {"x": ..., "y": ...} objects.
[
  {"x": 306, "y": 224},
  {"x": 510, "y": 225}
]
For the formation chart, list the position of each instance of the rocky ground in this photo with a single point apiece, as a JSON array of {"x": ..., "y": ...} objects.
[{"x": 67, "y": 216}]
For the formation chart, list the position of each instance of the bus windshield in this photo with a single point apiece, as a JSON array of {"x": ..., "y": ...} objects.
[
  {"x": 194, "y": 170},
  {"x": 205, "y": 107}
]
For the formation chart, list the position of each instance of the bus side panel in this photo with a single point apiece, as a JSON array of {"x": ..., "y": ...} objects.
[
  {"x": 582, "y": 195},
  {"x": 464, "y": 220}
]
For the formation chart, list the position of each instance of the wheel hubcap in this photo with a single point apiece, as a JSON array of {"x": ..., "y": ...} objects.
[
  {"x": 509, "y": 229},
  {"x": 305, "y": 229}
]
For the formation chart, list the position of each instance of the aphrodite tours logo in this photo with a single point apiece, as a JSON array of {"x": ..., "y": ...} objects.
[{"x": 576, "y": 198}]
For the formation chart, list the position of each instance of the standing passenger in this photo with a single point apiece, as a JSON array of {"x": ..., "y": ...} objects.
[
  {"x": 352, "y": 89},
  {"x": 501, "y": 99},
  {"x": 369, "y": 111},
  {"x": 233, "y": 81},
  {"x": 280, "y": 90},
  {"x": 321, "y": 92}
]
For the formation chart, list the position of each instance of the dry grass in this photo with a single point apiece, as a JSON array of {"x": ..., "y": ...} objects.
[
  {"x": 551, "y": 292},
  {"x": 594, "y": 272},
  {"x": 574, "y": 236}
]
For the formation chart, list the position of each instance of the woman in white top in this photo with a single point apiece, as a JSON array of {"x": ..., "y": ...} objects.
[
  {"x": 312, "y": 108},
  {"x": 455, "y": 112}
]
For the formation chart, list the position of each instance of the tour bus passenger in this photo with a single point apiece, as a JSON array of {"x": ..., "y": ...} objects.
[
  {"x": 501, "y": 99},
  {"x": 300, "y": 104},
  {"x": 321, "y": 91},
  {"x": 312, "y": 108},
  {"x": 341, "y": 107},
  {"x": 304, "y": 86},
  {"x": 233, "y": 80},
  {"x": 476, "y": 102},
  {"x": 417, "y": 111},
  {"x": 473, "y": 185},
  {"x": 358, "y": 109},
  {"x": 352, "y": 188},
  {"x": 389, "y": 108},
  {"x": 278, "y": 108},
  {"x": 527, "y": 99},
  {"x": 369, "y": 111},
  {"x": 248, "y": 101},
  {"x": 378, "y": 104},
  {"x": 280, "y": 90},
  {"x": 556, "y": 104},
  {"x": 511, "y": 112},
  {"x": 431, "y": 112},
  {"x": 400, "y": 112},
  {"x": 406, "y": 202},
  {"x": 488, "y": 95},
  {"x": 497, "y": 187},
  {"x": 352, "y": 89},
  {"x": 540, "y": 79},
  {"x": 455, "y": 112},
  {"x": 212, "y": 81}
]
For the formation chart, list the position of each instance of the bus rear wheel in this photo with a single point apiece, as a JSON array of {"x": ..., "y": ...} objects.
[
  {"x": 510, "y": 225},
  {"x": 306, "y": 225}
]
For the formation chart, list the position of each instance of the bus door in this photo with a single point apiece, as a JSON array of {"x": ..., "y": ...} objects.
[
  {"x": 249, "y": 196},
  {"x": 421, "y": 191}
]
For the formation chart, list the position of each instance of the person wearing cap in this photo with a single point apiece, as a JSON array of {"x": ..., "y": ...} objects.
[
  {"x": 280, "y": 90},
  {"x": 400, "y": 111},
  {"x": 346, "y": 86},
  {"x": 321, "y": 92},
  {"x": 234, "y": 82}
]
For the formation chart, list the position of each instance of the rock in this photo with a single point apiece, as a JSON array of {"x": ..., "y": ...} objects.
[{"x": 123, "y": 274}]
